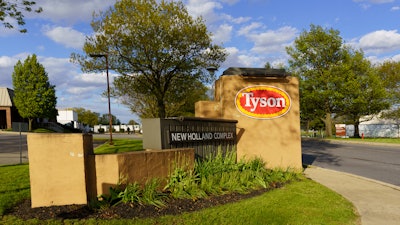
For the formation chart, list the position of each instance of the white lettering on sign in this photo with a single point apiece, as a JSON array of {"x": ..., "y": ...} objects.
[
  {"x": 254, "y": 102},
  {"x": 198, "y": 136}
]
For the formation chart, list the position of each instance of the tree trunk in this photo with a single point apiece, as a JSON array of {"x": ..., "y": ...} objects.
[
  {"x": 30, "y": 124},
  {"x": 357, "y": 129},
  {"x": 161, "y": 109},
  {"x": 328, "y": 124}
]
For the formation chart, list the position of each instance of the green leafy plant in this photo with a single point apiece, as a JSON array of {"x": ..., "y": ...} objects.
[
  {"x": 131, "y": 193},
  {"x": 113, "y": 198},
  {"x": 184, "y": 184},
  {"x": 151, "y": 194}
]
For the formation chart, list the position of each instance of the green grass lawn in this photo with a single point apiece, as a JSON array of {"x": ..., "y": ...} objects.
[
  {"x": 119, "y": 146},
  {"x": 300, "y": 202},
  {"x": 373, "y": 140},
  {"x": 14, "y": 185}
]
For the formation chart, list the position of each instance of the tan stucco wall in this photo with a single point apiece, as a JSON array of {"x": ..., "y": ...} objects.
[
  {"x": 277, "y": 141},
  {"x": 63, "y": 169},
  {"x": 57, "y": 168},
  {"x": 139, "y": 166}
]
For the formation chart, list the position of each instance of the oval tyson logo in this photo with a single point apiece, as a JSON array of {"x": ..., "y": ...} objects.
[{"x": 263, "y": 102}]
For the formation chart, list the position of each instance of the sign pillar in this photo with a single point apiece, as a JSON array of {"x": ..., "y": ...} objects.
[{"x": 265, "y": 102}]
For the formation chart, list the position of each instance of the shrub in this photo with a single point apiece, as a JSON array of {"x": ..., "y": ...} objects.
[
  {"x": 184, "y": 184},
  {"x": 151, "y": 194},
  {"x": 133, "y": 193},
  {"x": 101, "y": 130}
]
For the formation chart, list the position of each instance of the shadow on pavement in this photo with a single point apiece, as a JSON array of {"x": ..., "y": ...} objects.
[{"x": 314, "y": 150}]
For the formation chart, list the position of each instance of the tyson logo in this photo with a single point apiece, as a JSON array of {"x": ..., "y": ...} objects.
[{"x": 263, "y": 102}]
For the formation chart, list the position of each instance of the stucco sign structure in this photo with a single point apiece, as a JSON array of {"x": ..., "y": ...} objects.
[{"x": 265, "y": 102}]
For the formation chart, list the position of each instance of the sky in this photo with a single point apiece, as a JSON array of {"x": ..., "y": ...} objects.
[{"x": 252, "y": 31}]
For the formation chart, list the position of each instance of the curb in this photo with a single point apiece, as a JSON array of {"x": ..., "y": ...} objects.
[{"x": 360, "y": 177}]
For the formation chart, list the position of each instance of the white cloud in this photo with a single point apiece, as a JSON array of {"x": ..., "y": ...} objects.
[
  {"x": 71, "y": 11},
  {"x": 7, "y": 64},
  {"x": 395, "y": 8},
  {"x": 380, "y": 41},
  {"x": 366, "y": 4},
  {"x": 241, "y": 19},
  {"x": 395, "y": 58},
  {"x": 203, "y": 8},
  {"x": 272, "y": 41},
  {"x": 237, "y": 58},
  {"x": 6, "y": 61},
  {"x": 222, "y": 34},
  {"x": 66, "y": 36},
  {"x": 245, "y": 30}
]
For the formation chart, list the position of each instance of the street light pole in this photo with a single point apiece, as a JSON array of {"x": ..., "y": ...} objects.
[{"x": 108, "y": 94}]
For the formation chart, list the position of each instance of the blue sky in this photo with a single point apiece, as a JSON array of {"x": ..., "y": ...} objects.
[{"x": 252, "y": 31}]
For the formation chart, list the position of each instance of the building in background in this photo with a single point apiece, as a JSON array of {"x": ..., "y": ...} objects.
[
  {"x": 376, "y": 127},
  {"x": 8, "y": 112},
  {"x": 68, "y": 117}
]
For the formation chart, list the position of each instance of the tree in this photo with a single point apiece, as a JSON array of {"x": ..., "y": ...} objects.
[
  {"x": 389, "y": 71},
  {"x": 132, "y": 122},
  {"x": 316, "y": 58},
  {"x": 155, "y": 46},
  {"x": 14, "y": 10},
  {"x": 104, "y": 119},
  {"x": 180, "y": 102},
  {"x": 87, "y": 117},
  {"x": 363, "y": 92},
  {"x": 34, "y": 95},
  {"x": 334, "y": 79}
]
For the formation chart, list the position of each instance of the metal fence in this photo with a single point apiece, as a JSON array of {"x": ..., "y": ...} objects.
[{"x": 206, "y": 136}]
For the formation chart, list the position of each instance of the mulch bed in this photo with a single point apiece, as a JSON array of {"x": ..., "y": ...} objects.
[{"x": 122, "y": 210}]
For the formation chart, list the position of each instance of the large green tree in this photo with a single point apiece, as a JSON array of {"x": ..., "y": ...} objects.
[
  {"x": 105, "y": 120},
  {"x": 334, "y": 79},
  {"x": 87, "y": 117},
  {"x": 316, "y": 58},
  {"x": 389, "y": 71},
  {"x": 34, "y": 96},
  {"x": 362, "y": 91},
  {"x": 155, "y": 46},
  {"x": 180, "y": 102},
  {"x": 14, "y": 10}
]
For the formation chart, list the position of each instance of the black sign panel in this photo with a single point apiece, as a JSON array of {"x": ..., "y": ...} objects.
[{"x": 207, "y": 136}]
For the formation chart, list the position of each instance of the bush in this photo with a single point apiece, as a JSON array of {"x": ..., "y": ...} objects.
[
  {"x": 101, "y": 130},
  {"x": 133, "y": 193}
]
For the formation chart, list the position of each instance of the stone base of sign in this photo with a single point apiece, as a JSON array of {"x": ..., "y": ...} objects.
[
  {"x": 64, "y": 171},
  {"x": 139, "y": 166},
  {"x": 276, "y": 140}
]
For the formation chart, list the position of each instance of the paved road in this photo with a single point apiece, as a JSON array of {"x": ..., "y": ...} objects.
[
  {"x": 379, "y": 162},
  {"x": 13, "y": 149}
]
